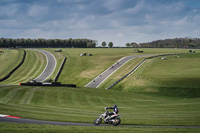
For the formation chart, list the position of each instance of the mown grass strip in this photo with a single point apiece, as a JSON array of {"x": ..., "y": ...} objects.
[
  {"x": 11, "y": 94},
  {"x": 32, "y": 67},
  {"x": 26, "y": 99},
  {"x": 19, "y": 128},
  {"x": 15, "y": 67},
  {"x": 83, "y": 105},
  {"x": 9, "y": 59}
]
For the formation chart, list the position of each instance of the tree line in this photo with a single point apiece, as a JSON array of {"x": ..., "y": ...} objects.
[
  {"x": 28, "y": 43},
  {"x": 169, "y": 43},
  {"x": 173, "y": 43}
]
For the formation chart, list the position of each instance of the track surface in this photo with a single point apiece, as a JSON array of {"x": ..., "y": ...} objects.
[
  {"x": 51, "y": 64},
  {"x": 50, "y": 67},
  {"x": 13, "y": 120},
  {"x": 103, "y": 76}
]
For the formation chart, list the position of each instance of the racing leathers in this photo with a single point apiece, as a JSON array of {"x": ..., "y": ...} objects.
[{"x": 115, "y": 111}]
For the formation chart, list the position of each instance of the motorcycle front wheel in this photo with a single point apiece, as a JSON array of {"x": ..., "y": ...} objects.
[
  {"x": 97, "y": 121},
  {"x": 116, "y": 121}
]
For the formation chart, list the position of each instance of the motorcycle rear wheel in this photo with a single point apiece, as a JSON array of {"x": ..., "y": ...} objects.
[
  {"x": 97, "y": 121},
  {"x": 116, "y": 121}
]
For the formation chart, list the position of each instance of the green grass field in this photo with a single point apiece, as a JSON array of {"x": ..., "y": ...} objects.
[
  {"x": 176, "y": 76},
  {"x": 32, "y": 67},
  {"x": 81, "y": 70},
  {"x": 9, "y": 59},
  {"x": 84, "y": 105},
  {"x": 165, "y": 93},
  {"x": 32, "y": 128}
]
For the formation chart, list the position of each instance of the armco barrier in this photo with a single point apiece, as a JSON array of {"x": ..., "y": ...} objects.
[
  {"x": 126, "y": 75},
  {"x": 58, "y": 74},
  {"x": 11, "y": 72},
  {"x": 137, "y": 67},
  {"x": 48, "y": 84}
]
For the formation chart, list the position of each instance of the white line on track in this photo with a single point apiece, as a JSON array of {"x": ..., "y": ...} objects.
[
  {"x": 3, "y": 115},
  {"x": 42, "y": 51},
  {"x": 9, "y": 116},
  {"x": 104, "y": 72},
  {"x": 113, "y": 72},
  {"x": 46, "y": 64}
]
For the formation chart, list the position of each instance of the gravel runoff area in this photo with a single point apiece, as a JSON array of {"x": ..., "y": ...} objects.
[
  {"x": 95, "y": 83},
  {"x": 50, "y": 67},
  {"x": 20, "y": 120}
]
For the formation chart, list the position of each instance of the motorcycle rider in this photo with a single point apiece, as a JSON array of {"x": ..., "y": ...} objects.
[{"x": 115, "y": 111}]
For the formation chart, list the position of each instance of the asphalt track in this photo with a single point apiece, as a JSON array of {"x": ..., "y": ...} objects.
[
  {"x": 50, "y": 67},
  {"x": 51, "y": 64},
  {"x": 14, "y": 120},
  {"x": 107, "y": 73}
]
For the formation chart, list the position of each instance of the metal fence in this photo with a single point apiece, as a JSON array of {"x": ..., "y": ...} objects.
[{"x": 58, "y": 74}]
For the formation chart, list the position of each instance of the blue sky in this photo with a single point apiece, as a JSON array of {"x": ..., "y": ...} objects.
[{"x": 119, "y": 21}]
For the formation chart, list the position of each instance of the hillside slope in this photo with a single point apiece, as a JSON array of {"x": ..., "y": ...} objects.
[
  {"x": 9, "y": 59},
  {"x": 32, "y": 67}
]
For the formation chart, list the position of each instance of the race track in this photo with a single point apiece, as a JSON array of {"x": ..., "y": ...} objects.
[
  {"x": 103, "y": 76},
  {"x": 13, "y": 120},
  {"x": 51, "y": 64},
  {"x": 50, "y": 67}
]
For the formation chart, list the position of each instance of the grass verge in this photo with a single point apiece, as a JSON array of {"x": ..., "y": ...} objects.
[
  {"x": 176, "y": 76},
  {"x": 32, "y": 67},
  {"x": 33, "y": 128},
  {"x": 9, "y": 59},
  {"x": 80, "y": 70},
  {"x": 84, "y": 105}
]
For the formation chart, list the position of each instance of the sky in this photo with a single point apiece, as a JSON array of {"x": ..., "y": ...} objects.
[{"x": 117, "y": 21}]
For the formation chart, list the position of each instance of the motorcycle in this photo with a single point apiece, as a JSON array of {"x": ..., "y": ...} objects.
[{"x": 113, "y": 119}]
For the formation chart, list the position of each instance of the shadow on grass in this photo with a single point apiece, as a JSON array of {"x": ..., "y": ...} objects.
[{"x": 181, "y": 92}]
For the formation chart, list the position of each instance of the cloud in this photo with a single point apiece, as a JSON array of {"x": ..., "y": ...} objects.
[
  {"x": 8, "y": 11},
  {"x": 37, "y": 10},
  {"x": 113, "y": 5},
  {"x": 119, "y": 21}
]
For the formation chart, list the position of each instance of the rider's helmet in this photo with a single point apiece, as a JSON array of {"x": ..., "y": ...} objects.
[{"x": 114, "y": 105}]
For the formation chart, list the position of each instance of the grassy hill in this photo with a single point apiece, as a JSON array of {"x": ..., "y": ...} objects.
[
  {"x": 77, "y": 70},
  {"x": 32, "y": 67},
  {"x": 81, "y": 70},
  {"x": 9, "y": 59},
  {"x": 176, "y": 76},
  {"x": 165, "y": 93},
  {"x": 84, "y": 105}
]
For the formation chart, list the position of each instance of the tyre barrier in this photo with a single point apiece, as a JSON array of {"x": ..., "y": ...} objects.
[
  {"x": 11, "y": 72},
  {"x": 137, "y": 67},
  {"x": 48, "y": 84},
  {"x": 58, "y": 74}
]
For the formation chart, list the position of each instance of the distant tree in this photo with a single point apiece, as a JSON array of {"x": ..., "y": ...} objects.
[
  {"x": 110, "y": 44},
  {"x": 134, "y": 44},
  {"x": 91, "y": 45},
  {"x": 103, "y": 44},
  {"x": 128, "y": 44}
]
